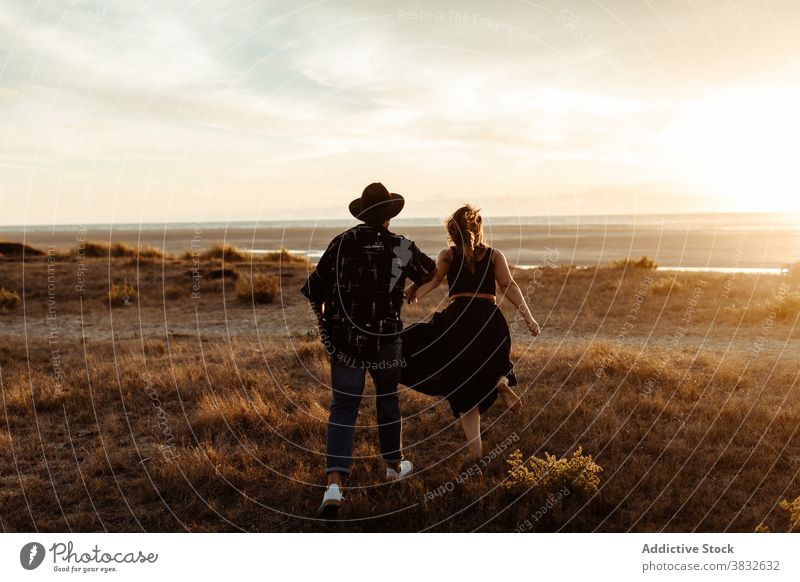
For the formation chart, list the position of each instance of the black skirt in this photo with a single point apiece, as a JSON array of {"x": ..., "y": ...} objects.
[{"x": 460, "y": 354}]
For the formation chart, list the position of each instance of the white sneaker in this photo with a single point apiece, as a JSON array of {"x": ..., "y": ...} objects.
[
  {"x": 331, "y": 502},
  {"x": 406, "y": 467}
]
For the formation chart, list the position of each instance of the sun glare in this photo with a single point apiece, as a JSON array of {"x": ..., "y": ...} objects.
[{"x": 743, "y": 147}]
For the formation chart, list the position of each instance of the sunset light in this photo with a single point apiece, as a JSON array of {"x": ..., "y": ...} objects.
[
  {"x": 344, "y": 273},
  {"x": 742, "y": 146}
]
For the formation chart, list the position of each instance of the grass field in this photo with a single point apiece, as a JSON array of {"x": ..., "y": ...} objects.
[{"x": 143, "y": 392}]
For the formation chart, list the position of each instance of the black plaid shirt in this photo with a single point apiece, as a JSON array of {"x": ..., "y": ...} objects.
[{"x": 360, "y": 281}]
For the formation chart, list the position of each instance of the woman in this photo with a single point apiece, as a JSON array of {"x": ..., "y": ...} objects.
[{"x": 463, "y": 353}]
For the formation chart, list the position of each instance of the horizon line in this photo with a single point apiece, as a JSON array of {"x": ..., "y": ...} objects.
[{"x": 40, "y": 226}]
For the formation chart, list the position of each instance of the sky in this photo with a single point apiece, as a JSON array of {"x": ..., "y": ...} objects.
[{"x": 165, "y": 111}]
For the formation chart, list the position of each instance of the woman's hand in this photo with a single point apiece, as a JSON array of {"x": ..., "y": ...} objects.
[{"x": 534, "y": 327}]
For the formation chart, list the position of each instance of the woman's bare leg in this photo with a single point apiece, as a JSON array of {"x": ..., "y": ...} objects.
[
  {"x": 471, "y": 423},
  {"x": 510, "y": 398}
]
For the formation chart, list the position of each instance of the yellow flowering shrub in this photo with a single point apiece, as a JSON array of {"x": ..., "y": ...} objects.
[
  {"x": 578, "y": 473},
  {"x": 793, "y": 507},
  {"x": 121, "y": 294},
  {"x": 8, "y": 299}
]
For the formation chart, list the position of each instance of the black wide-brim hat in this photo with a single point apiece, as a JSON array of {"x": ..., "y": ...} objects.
[{"x": 377, "y": 204}]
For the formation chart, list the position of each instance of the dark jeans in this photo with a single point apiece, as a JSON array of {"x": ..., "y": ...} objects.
[{"x": 347, "y": 380}]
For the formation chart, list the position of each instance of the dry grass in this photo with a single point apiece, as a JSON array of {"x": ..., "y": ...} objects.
[
  {"x": 258, "y": 288},
  {"x": 225, "y": 252},
  {"x": 230, "y": 253},
  {"x": 666, "y": 285},
  {"x": 167, "y": 429},
  {"x": 99, "y": 249},
  {"x": 173, "y": 292},
  {"x": 8, "y": 299},
  {"x": 223, "y": 273},
  {"x": 793, "y": 508},
  {"x": 18, "y": 250},
  {"x": 787, "y": 306},
  {"x": 284, "y": 256},
  {"x": 122, "y": 293},
  {"x": 215, "y": 442}
]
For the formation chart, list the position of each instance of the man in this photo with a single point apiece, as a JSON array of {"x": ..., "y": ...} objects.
[{"x": 356, "y": 291}]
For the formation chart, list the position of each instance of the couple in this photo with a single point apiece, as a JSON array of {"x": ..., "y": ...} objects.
[{"x": 462, "y": 354}]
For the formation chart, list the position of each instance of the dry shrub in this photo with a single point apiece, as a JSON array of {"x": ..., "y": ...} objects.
[
  {"x": 666, "y": 286},
  {"x": 643, "y": 263},
  {"x": 549, "y": 475},
  {"x": 15, "y": 249},
  {"x": 92, "y": 249},
  {"x": 790, "y": 507},
  {"x": 150, "y": 252},
  {"x": 121, "y": 293},
  {"x": 120, "y": 249},
  {"x": 259, "y": 288},
  {"x": 284, "y": 256},
  {"x": 779, "y": 308},
  {"x": 786, "y": 306},
  {"x": 793, "y": 508},
  {"x": 96, "y": 249},
  {"x": 8, "y": 299},
  {"x": 223, "y": 273},
  {"x": 225, "y": 252}
]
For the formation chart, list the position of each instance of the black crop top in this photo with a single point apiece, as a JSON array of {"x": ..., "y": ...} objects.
[{"x": 462, "y": 280}]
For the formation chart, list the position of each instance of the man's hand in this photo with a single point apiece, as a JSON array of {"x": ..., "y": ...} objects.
[
  {"x": 534, "y": 327},
  {"x": 411, "y": 294}
]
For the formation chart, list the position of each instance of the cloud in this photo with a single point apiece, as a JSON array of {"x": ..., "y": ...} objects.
[{"x": 537, "y": 100}]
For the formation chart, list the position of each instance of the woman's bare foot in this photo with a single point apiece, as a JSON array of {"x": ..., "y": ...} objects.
[{"x": 510, "y": 398}]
